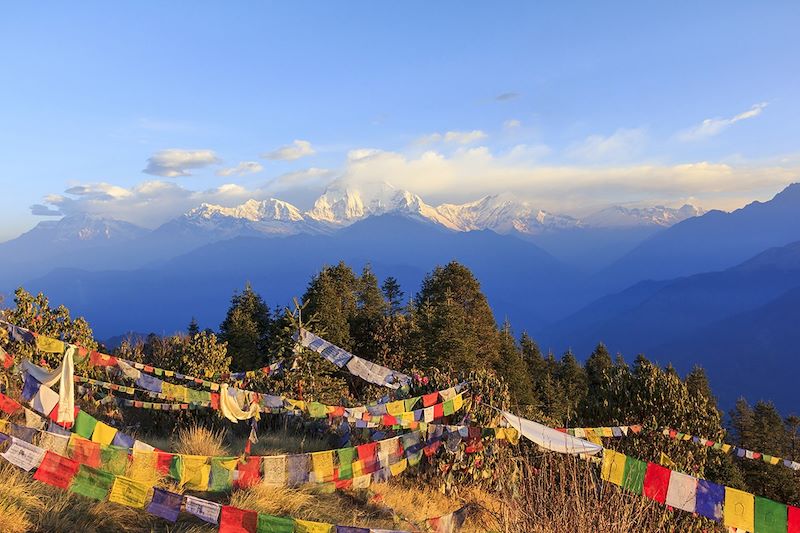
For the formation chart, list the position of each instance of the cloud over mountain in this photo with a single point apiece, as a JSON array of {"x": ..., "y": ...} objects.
[{"x": 173, "y": 163}]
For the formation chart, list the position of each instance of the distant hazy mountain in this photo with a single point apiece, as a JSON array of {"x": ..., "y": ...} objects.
[
  {"x": 713, "y": 241},
  {"x": 619, "y": 216},
  {"x": 518, "y": 277},
  {"x": 699, "y": 319}
]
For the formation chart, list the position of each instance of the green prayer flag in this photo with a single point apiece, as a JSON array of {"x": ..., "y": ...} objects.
[
  {"x": 158, "y": 371},
  {"x": 317, "y": 410},
  {"x": 770, "y": 516},
  {"x": 222, "y": 473},
  {"x": 84, "y": 424},
  {"x": 274, "y": 524},
  {"x": 114, "y": 459},
  {"x": 410, "y": 403},
  {"x": 175, "y": 468},
  {"x": 448, "y": 408},
  {"x": 633, "y": 477},
  {"x": 199, "y": 396},
  {"x": 92, "y": 483},
  {"x": 346, "y": 456}
]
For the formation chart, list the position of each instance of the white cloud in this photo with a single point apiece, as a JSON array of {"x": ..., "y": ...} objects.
[
  {"x": 174, "y": 163},
  {"x": 245, "y": 167},
  {"x": 453, "y": 137},
  {"x": 623, "y": 144},
  {"x": 290, "y": 152},
  {"x": 512, "y": 124},
  {"x": 714, "y": 126}
]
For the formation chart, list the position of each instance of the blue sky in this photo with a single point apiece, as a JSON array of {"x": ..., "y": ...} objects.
[{"x": 569, "y": 107}]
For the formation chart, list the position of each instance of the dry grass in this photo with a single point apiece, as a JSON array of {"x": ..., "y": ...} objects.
[{"x": 197, "y": 440}]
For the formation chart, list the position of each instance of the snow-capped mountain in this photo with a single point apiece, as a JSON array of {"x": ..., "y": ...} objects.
[
  {"x": 342, "y": 205},
  {"x": 619, "y": 216},
  {"x": 503, "y": 215},
  {"x": 82, "y": 229}
]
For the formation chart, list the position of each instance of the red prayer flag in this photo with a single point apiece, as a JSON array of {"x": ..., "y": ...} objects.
[
  {"x": 56, "y": 470},
  {"x": 430, "y": 399},
  {"x": 99, "y": 359},
  {"x": 163, "y": 462},
  {"x": 85, "y": 452},
  {"x": 793, "y": 525},
  {"x": 233, "y": 520},
  {"x": 337, "y": 411},
  {"x": 8, "y": 360},
  {"x": 215, "y": 401},
  {"x": 344, "y": 484},
  {"x": 430, "y": 449},
  {"x": 656, "y": 482},
  {"x": 9, "y": 405},
  {"x": 389, "y": 420},
  {"x": 438, "y": 410},
  {"x": 368, "y": 455},
  {"x": 249, "y": 472}
]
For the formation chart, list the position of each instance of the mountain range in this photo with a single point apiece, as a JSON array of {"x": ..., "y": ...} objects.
[{"x": 680, "y": 285}]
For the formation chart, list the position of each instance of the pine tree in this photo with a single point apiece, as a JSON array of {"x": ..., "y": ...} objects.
[
  {"x": 393, "y": 295},
  {"x": 599, "y": 368},
  {"x": 371, "y": 309},
  {"x": 571, "y": 379},
  {"x": 331, "y": 299},
  {"x": 454, "y": 325},
  {"x": 193, "y": 328},
  {"x": 246, "y": 330},
  {"x": 512, "y": 368}
]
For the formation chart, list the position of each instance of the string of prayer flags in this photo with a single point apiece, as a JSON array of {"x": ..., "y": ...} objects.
[
  {"x": 550, "y": 438},
  {"x": 729, "y": 448}
]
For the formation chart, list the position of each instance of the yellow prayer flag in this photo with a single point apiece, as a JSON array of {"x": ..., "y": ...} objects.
[
  {"x": 613, "y": 467},
  {"x": 606, "y": 432},
  {"x": 128, "y": 492},
  {"x": 591, "y": 436},
  {"x": 358, "y": 468},
  {"x": 103, "y": 433},
  {"x": 322, "y": 463},
  {"x": 399, "y": 467},
  {"x": 739, "y": 509},
  {"x": 512, "y": 435},
  {"x": 4, "y": 426},
  {"x": 395, "y": 408},
  {"x": 666, "y": 461},
  {"x": 49, "y": 344},
  {"x": 297, "y": 404},
  {"x": 195, "y": 471},
  {"x": 143, "y": 466},
  {"x": 306, "y": 526},
  {"x": 774, "y": 460},
  {"x": 726, "y": 448},
  {"x": 407, "y": 418},
  {"x": 458, "y": 401}
]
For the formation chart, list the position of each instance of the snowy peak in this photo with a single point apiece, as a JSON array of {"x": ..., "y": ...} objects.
[
  {"x": 619, "y": 216},
  {"x": 87, "y": 228},
  {"x": 503, "y": 215},
  {"x": 252, "y": 210}
]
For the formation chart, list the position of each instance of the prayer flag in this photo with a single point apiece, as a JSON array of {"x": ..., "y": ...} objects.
[
  {"x": 395, "y": 408},
  {"x": 164, "y": 463},
  {"x": 613, "y": 467},
  {"x": 348, "y": 529},
  {"x": 9, "y": 405},
  {"x": 317, "y": 410},
  {"x": 739, "y": 509},
  {"x": 399, "y": 467},
  {"x": 297, "y": 467},
  {"x": 165, "y": 504},
  {"x": 306, "y": 526},
  {"x": 448, "y": 408},
  {"x": 458, "y": 402},
  {"x": 682, "y": 492},
  {"x": 49, "y": 344},
  {"x": 409, "y": 403},
  {"x": 194, "y": 472},
  {"x": 430, "y": 399},
  {"x": 633, "y": 478},
  {"x": 222, "y": 469},
  {"x": 793, "y": 520},
  {"x": 233, "y": 520},
  {"x": 274, "y": 524},
  {"x": 103, "y": 433},
  {"x": 274, "y": 467},
  {"x": 45, "y": 400},
  {"x": 656, "y": 482},
  {"x": 84, "y": 424},
  {"x": 92, "y": 483},
  {"x": 54, "y": 442},
  {"x": 29, "y": 389},
  {"x": 23, "y": 454},
  {"x": 128, "y": 492},
  {"x": 709, "y": 499},
  {"x": 84, "y": 451},
  {"x": 368, "y": 456},
  {"x": 56, "y": 470},
  {"x": 203, "y": 509},
  {"x": 323, "y": 466},
  {"x": 770, "y": 516},
  {"x": 114, "y": 459},
  {"x": 666, "y": 461},
  {"x": 346, "y": 456},
  {"x": 249, "y": 472}
]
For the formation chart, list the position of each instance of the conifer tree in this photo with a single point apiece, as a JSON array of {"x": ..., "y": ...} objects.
[
  {"x": 246, "y": 330},
  {"x": 454, "y": 324},
  {"x": 512, "y": 368},
  {"x": 393, "y": 295},
  {"x": 193, "y": 328},
  {"x": 331, "y": 299}
]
